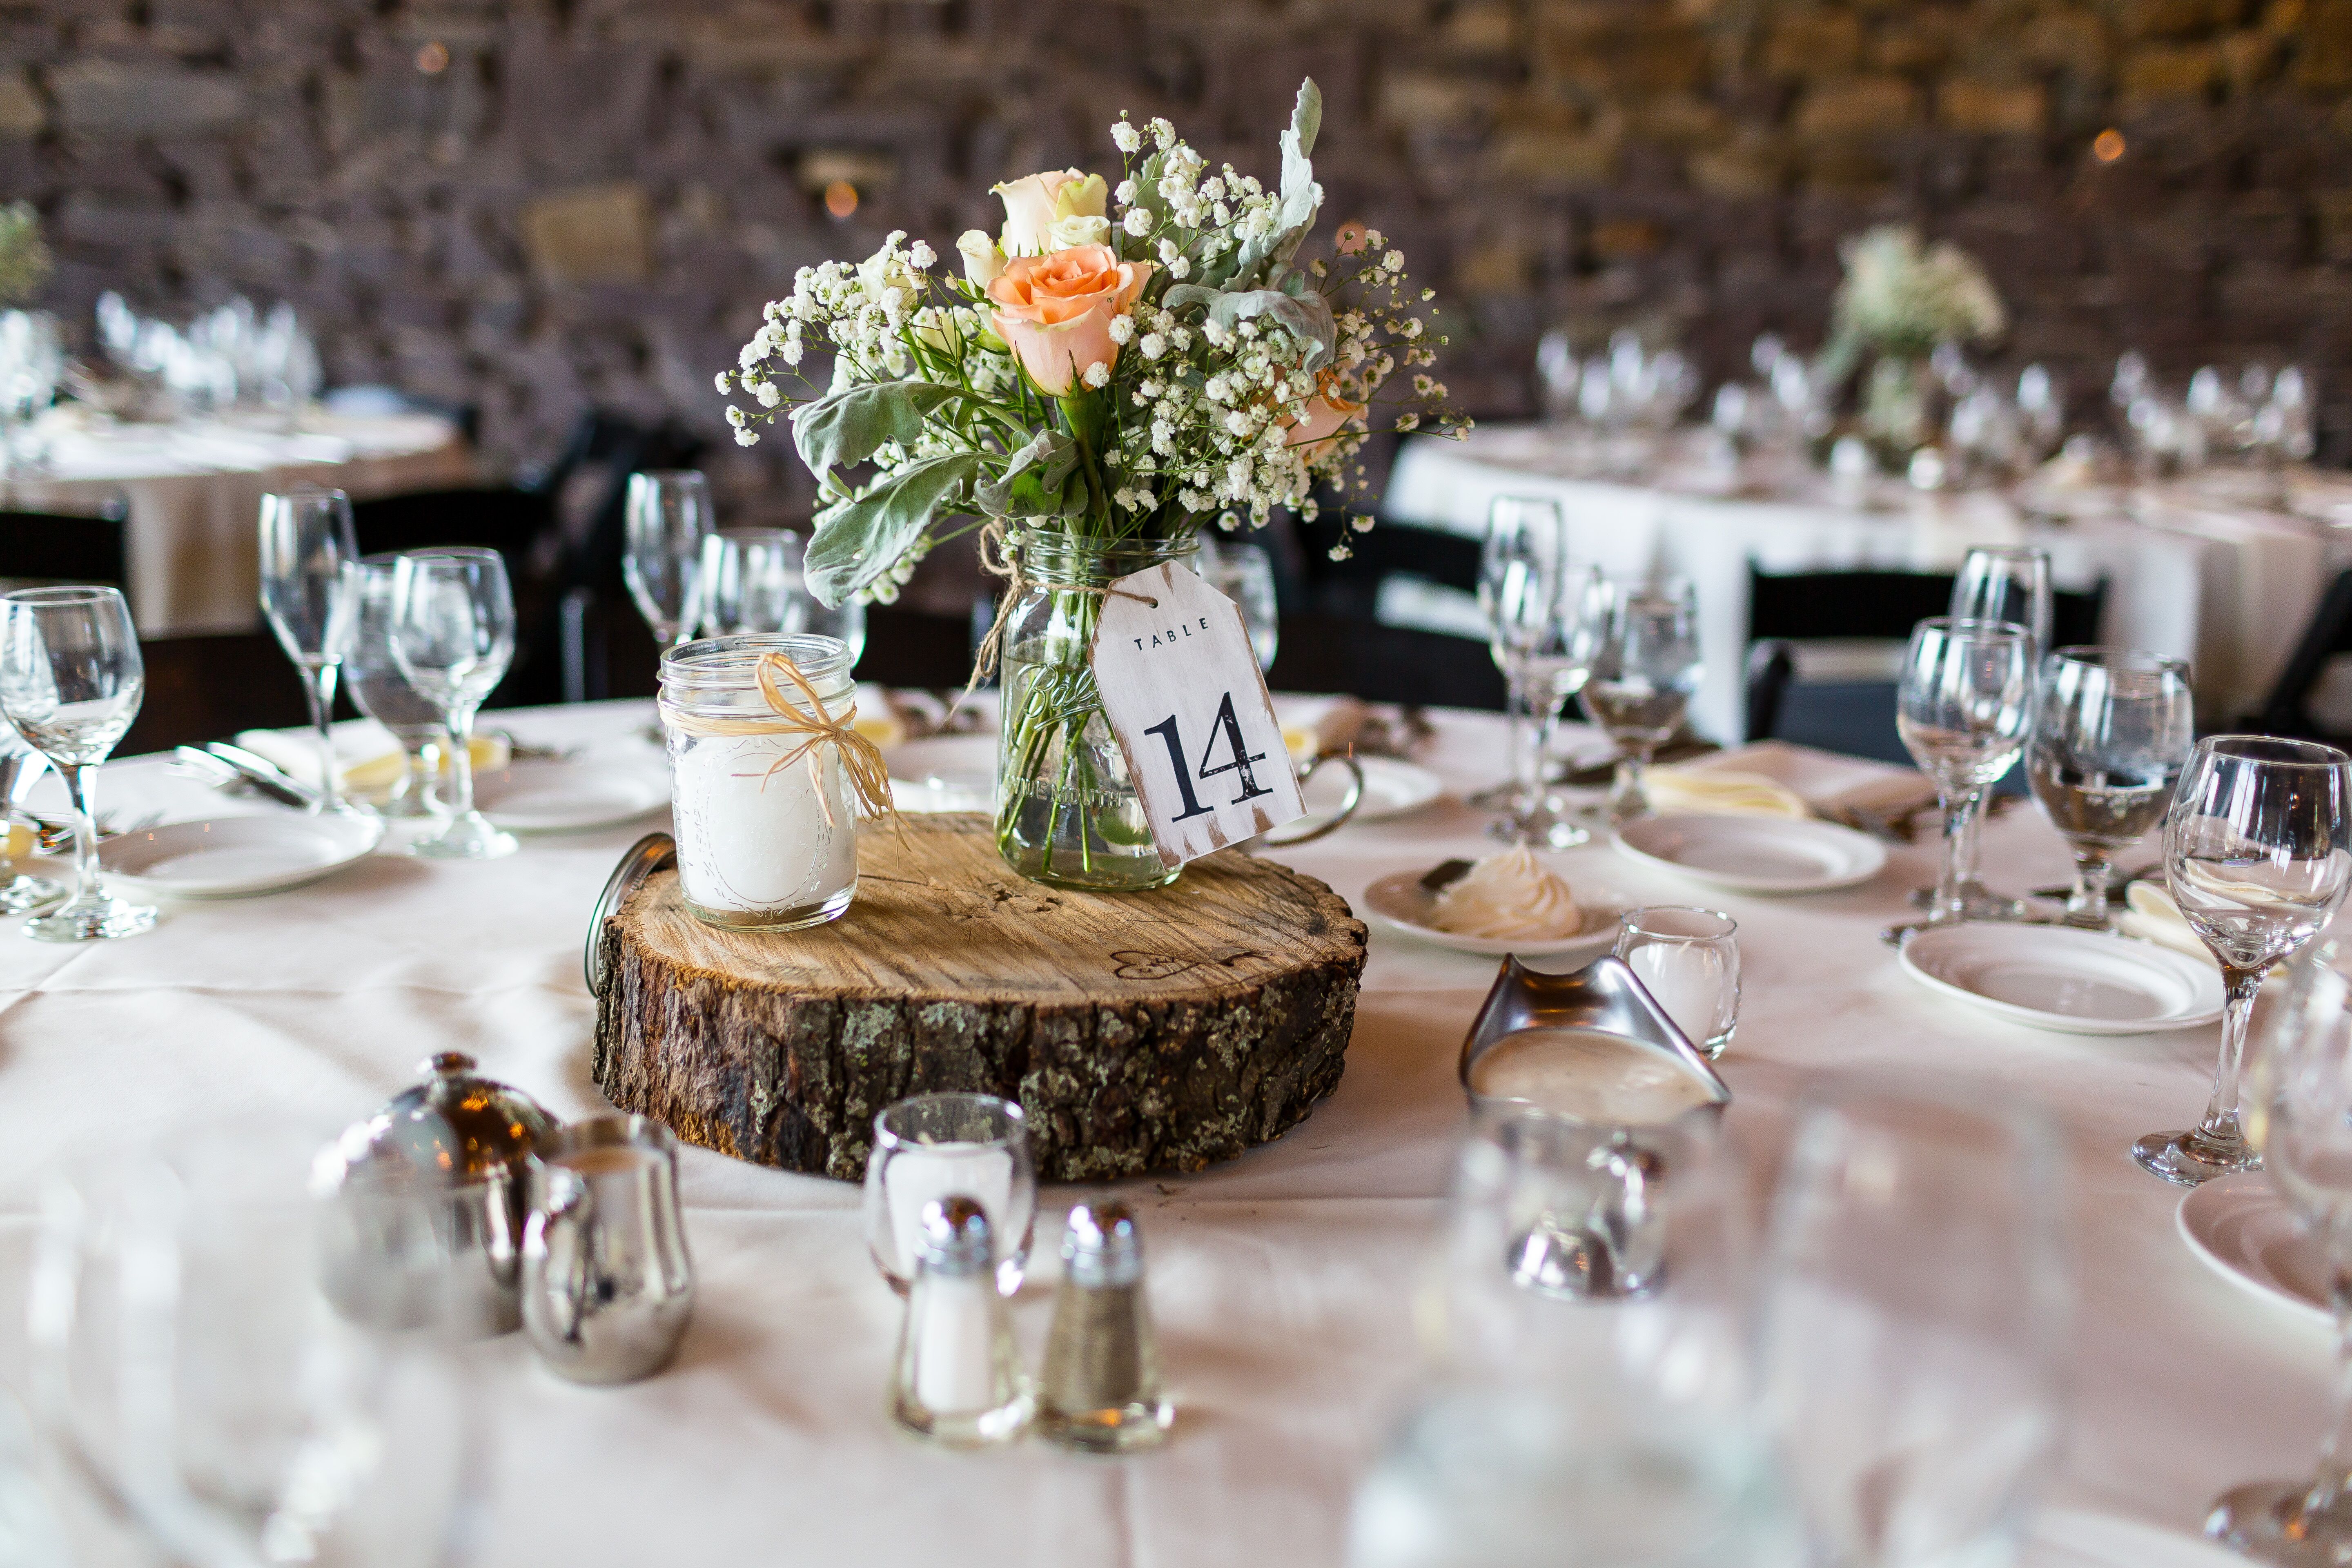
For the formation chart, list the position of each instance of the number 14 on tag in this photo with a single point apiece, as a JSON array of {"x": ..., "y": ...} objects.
[{"x": 1182, "y": 693}]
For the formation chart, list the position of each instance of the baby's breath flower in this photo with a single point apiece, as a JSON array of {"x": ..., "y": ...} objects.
[
  {"x": 723, "y": 387},
  {"x": 1138, "y": 222},
  {"x": 747, "y": 438},
  {"x": 768, "y": 394},
  {"x": 1097, "y": 374},
  {"x": 1125, "y": 137},
  {"x": 1163, "y": 135},
  {"x": 1407, "y": 421},
  {"x": 1124, "y": 192},
  {"x": 735, "y": 416},
  {"x": 1153, "y": 346},
  {"x": 1180, "y": 268},
  {"x": 1392, "y": 262},
  {"x": 1122, "y": 330}
]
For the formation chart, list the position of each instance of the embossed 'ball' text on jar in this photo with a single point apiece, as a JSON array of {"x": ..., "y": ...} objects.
[{"x": 766, "y": 820}]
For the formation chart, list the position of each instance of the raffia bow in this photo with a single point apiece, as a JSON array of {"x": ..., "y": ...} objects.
[{"x": 861, "y": 761}]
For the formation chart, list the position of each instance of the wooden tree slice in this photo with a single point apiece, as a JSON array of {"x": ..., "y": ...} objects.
[{"x": 1140, "y": 1031}]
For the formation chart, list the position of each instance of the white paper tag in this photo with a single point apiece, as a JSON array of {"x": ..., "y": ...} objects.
[{"x": 1182, "y": 691}]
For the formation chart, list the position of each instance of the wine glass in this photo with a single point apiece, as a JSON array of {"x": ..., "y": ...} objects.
[
  {"x": 1526, "y": 547},
  {"x": 1645, "y": 668},
  {"x": 1912, "y": 1318},
  {"x": 71, "y": 682},
  {"x": 2258, "y": 851},
  {"x": 1998, "y": 583},
  {"x": 306, "y": 543},
  {"x": 453, "y": 632},
  {"x": 1245, "y": 573},
  {"x": 750, "y": 580},
  {"x": 1543, "y": 615},
  {"x": 666, "y": 518},
  {"x": 377, "y": 688},
  {"x": 1962, "y": 709},
  {"x": 20, "y": 893},
  {"x": 2298, "y": 1110},
  {"x": 2111, "y": 732}
]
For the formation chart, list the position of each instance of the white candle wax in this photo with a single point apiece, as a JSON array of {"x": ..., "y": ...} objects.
[
  {"x": 752, "y": 840},
  {"x": 919, "y": 1173},
  {"x": 1687, "y": 981}
]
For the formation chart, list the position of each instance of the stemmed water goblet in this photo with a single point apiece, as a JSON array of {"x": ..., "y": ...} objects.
[
  {"x": 1245, "y": 573},
  {"x": 2298, "y": 1111},
  {"x": 2112, "y": 730},
  {"x": 453, "y": 632},
  {"x": 309, "y": 598},
  {"x": 1963, "y": 710},
  {"x": 664, "y": 523},
  {"x": 2258, "y": 852},
  {"x": 1527, "y": 540},
  {"x": 1645, "y": 667},
  {"x": 1543, "y": 616},
  {"x": 377, "y": 688},
  {"x": 750, "y": 580},
  {"x": 71, "y": 682}
]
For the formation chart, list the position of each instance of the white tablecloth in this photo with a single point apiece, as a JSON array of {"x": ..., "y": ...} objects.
[
  {"x": 194, "y": 496},
  {"x": 2229, "y": 592},
  {"x": 1280, "y": 1282}
]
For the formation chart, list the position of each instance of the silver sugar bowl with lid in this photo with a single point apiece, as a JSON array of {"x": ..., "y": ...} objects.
[{"x": 470, "y": 1139}]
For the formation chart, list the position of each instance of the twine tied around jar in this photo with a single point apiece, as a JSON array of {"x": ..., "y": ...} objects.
[
  {"x": 999, "y": 559},
  {"x": 861, "y": 761}
]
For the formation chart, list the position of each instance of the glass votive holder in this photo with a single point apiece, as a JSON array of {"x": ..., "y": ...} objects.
[
  {"x": 931, "y": 1147},
  {"x": 1689, "y": 961}
]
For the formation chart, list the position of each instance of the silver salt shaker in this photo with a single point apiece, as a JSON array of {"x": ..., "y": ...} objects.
[
  {"x": 607, "y": 1287},
  {"x": 1101, "y": 1389},
  {"x": 957, "y": 1380}
]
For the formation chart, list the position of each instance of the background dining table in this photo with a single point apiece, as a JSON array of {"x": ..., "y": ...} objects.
[{"x": 1282, "y": 1281}]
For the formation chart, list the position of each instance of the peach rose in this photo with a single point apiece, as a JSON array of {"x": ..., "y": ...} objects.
[
  {"x": 1033, "y": 203},
  {"x": 1055, "y": 311},
  {"x": 1327, "y": 414}
]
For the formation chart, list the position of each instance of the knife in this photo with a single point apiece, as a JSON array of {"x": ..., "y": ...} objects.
[{"x": 266, "y": 776}]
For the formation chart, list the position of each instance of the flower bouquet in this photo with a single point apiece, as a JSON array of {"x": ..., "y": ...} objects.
[
  {"x": 1120, "y": 365},
  {"x": 1901, "y": 301}
]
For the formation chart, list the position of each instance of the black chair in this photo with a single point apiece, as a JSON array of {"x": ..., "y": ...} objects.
[
  {"x": 1353, "y": 654},
  {"x": 208, "y": 688},
  {"x": 38, "y": 548},
  {"x": 2288, "y": 709},
  {"x": 507, "y": 519}
]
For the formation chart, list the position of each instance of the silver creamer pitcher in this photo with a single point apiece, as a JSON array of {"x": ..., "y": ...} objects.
[{"x": 607, "y": 1286}]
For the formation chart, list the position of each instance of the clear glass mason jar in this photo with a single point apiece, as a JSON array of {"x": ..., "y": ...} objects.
[
  {"x": 767, "y": 829},
  {"x": 1066, "y": 811}
]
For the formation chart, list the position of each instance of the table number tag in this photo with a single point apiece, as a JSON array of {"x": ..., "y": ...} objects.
[{"x": 1182, "y": 691}]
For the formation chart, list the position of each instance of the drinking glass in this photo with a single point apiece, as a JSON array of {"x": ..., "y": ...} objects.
[
  {"x": 1963, "y": 710},
  {"x": 20, "y": 894},
  {"x": 1645, "y": 669},
  {"x": 2258, "y": 851},
  {"x": 2112, "y": 729},
  {"x": 1998, "y": 583},
  {"x": 1687, "y": 959},
  {"x": 1245, "y": 573},
  {"x": 71, "y": 682},
  {"x": 372, "y": 675},
  {"x": 1544, "y": 614},
  {"x": 453, "y": 632},
  {"x": 1913, "y": 1308},
  {"x": 306, "y": 543},
  {"x": 932, "y": 1146},
  {"x": 666, "y": 518},
  {"x": 2298, "y": 1110},
  {"x": 1524, "y": 549},
  {"x": 750, "y": 580}
]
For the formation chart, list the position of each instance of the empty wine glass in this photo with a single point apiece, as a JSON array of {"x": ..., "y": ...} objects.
[
  {"x": 377, "y": 688},
  {"x": 750, "y": 581},
  {"x": 1963, "y": 709},
  {"x": 668, "y": 515},
  {"x": 1543, "y": 617},
  {"x": 2111, "y": 732},
  {"x": 1245, "y": 573},
  {"x": 71, "y": 682},
  {"x": 1524, "y": 549},
  {"x": 306, "y": 543},
  {"x": 2258, "y": 851},
  {"x": 453, "y": 635},
  {"x": 1645, "y": 668},
  {"x": 1998, "y": 583},
  {"x": 2298, "y": 1110}
]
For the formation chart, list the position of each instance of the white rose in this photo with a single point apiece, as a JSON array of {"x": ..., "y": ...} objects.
[
  {"x": 982, "y": 260},
  {"x": 1066, "y": 232}
]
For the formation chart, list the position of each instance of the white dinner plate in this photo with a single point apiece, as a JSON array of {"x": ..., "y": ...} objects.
[
  {"x": 559, "y": 797},
  {"x": 232, "y": 857},
  {"x": 1754, "y": 854},
  {"x": 945, "y": 773},
  {"x": 1392, "y": 788},
  {"x": 2076, "y": 981},
  {"x": 2077, "y": 1538},
  {"x": 2244, "y": 1232},
  {"x": 1401, "y": 903}
]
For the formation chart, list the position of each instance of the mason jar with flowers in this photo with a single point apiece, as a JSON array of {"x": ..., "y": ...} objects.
[
  {"x": 1899, "y": 302},
  {"x": 1118, "y": 367}
]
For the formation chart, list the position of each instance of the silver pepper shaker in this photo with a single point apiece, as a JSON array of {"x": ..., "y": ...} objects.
[
  {"x": 1101, "y": 1389},
  {"x": 958, "y": 1378}
]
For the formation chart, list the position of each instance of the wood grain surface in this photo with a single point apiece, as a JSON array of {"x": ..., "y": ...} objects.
[{"x": 1140, "y": 1031}]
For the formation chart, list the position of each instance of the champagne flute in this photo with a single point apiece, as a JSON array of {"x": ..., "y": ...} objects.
[
  {"x": 2258, "y": 851},
  {"x": 306, "y": 543},
  {"x": 453, "y": 635},
  {"x": 1524, "y": 549},
  {"x": 1998, "y": 583},
  {"x": 71, "y": 682},
  {"x": 666, "y": 518},
  {"x": 749, "y": 580},
  {"x": 2298, "y": 1110},
  {"x": 1912, "y": 1317},
  {"x": 1645, "y": 668},
  {"x": 377, "y": 688},
  {"x": 2111, "y": 730},
  {"x": 1962, "y": 711}
]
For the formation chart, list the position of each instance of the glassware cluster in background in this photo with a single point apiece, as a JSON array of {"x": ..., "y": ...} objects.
[
  {"x": 689, "y": 577},
  {"x": 32, "y": 362},
  {"x": 234, "y": 362}
]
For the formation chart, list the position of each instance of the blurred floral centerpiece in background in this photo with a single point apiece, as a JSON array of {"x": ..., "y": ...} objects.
[
  {"x": 1900, "y": 302},
  {"x": 25, "y": 260},
  {"x": 1120, "y": 365}
]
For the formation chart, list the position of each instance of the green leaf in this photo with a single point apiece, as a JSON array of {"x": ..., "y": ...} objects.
[
  {"x": 858, "y": 541},
  {"x": 850, "y": 423},
  {"x": 1032, "y": 480},
  {"x": 1301, "y": 197},
  {"x": 1307, "y": 317}
]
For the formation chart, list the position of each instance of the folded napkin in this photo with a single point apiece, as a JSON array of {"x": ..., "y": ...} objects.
[
  {"x": 2150, "y": 912},
  {"x": 368, "y": 758},
  {"x": 1328, "y": 728},
  {"x": 878, "y": 717},
  {"x": 1721, "y": 792}
]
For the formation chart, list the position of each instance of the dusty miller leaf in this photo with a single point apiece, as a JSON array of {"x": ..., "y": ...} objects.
[
  {"x": 858, "y": 541},
  {"x": 851, "y": 423}
]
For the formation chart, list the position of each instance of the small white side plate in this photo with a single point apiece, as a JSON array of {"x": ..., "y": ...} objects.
[
  {"x": 235, "y": 856},
  {"x": 1400, "y": 902},
  {"x": 1392, "y": 788},
  {"x": 2244, "y": 1232},
  {"x": 2077, "y": 1538},
  {"x": 550, "y": 797},
  {"x": 2076, "y": 981},
  {"x": 1754, "y": 854}
]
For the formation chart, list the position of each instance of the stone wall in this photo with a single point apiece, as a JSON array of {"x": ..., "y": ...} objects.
[{"x": 537, "y": 206}]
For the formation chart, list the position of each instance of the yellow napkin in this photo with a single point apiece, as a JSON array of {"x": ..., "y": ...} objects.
[
  {"x": 877, "y": 719},
  {"x": 1721, "y": 792},
  {"x": 2150, "y": 912},
  {"x": 19, "y": 843},
  {"x": 1328, "y": 729}
]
